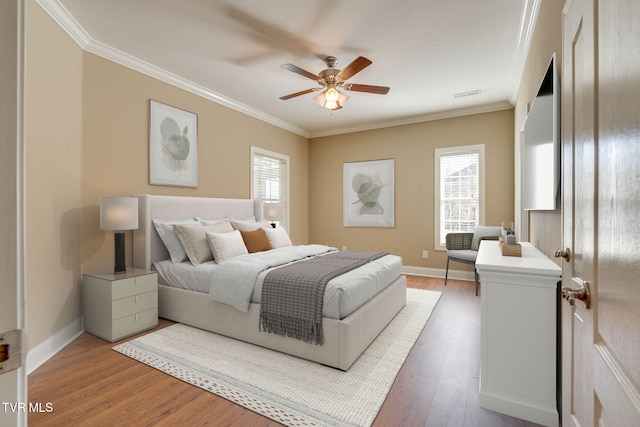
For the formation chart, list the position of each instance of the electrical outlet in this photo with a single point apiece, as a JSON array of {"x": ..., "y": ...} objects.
[{"x": 425, "y": 254}]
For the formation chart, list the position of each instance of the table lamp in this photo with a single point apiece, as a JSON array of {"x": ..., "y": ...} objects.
[
  {"x": 272, "y": 212},
  {"x": 119, "y": 214}
]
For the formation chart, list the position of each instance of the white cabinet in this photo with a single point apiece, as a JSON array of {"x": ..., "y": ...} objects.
[
  {"x": 119, "y": 305},
  {"x": 518, "y": 333}
]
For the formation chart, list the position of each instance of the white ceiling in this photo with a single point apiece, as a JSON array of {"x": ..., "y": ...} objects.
[{"x": 232, "y": 52}]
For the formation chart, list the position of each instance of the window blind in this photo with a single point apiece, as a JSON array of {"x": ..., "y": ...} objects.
[
  {"x": 268, "y": 178},
  {"x": 459, "y": 192}
]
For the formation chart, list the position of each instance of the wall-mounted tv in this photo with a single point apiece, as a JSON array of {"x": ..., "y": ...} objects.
[{"x": 541, "y": 146}]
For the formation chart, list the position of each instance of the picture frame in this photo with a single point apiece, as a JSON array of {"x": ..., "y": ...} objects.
[
  {"x": 173, "y": 146},
  {"x": 369, "y": 193}
]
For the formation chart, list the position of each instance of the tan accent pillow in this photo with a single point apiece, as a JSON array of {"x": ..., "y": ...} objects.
[
  {"x": 194, "y": 239},
  {"x": 256, "y": 240}
]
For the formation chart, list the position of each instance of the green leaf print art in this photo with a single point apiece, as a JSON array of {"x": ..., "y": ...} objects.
[
  {"x": 175, "y": 145},
  {"x": 368, "y": 193},
  {"x": 368, "y": 188}
]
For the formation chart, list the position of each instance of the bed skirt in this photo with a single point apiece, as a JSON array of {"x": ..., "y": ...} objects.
[{"x": 344, "y": 340}]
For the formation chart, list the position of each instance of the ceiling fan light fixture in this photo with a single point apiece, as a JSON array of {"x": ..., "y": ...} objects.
[
  {"x": 331, "y": 99},
  {"x": 330, "y": 79}
]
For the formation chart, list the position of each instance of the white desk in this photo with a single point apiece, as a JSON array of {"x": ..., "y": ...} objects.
[{"x": 518, "y": 333}]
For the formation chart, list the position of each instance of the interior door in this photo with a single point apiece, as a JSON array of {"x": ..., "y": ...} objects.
[
  {"x": 601, "y": 155},
  {"x": 12, "y": 381},
  {"x": 578, "y": 148}
]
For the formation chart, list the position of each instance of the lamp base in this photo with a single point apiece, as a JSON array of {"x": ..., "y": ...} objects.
[{"x": 120, "y": 267}]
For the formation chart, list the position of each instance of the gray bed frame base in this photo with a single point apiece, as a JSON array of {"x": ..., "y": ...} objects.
[{"x": 344, "y": 340}]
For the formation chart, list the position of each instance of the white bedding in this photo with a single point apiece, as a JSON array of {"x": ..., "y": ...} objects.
[{"x": 343, "y": 295}]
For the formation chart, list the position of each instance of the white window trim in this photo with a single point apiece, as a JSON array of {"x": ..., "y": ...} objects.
[
  {"x": 479, "y": 148},
  {"x": 285, "y": 158}
]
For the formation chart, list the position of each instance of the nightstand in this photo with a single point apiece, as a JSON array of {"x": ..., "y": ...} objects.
[{"x": 120, "y": 305}]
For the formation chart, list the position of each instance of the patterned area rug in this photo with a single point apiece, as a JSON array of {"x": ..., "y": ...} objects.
[{"x": 289, "y": 390}]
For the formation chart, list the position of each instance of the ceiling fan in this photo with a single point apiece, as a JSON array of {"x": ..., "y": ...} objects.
[{"x": 330, "y": 80}]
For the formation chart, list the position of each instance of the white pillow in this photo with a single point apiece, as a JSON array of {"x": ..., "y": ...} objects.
[
  {"x": 212, "y": 221},
  {"x": 194, "y": 239},
  {"x": 249, "y": 225},
  {"x": 278, "y": 237},
  {"x": 164, "y": 227},
  {"x": 226, "y": 245}
]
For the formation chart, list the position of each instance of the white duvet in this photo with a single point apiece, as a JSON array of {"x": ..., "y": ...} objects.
[{"x": 238, "y": 281}]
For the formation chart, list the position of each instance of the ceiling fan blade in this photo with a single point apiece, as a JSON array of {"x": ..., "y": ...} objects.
[
  {"x": 358, "y": 64},
  {"x": 380, "y": 90},
  {"x": 293, "y": 95},
  {"x": 298, "y": 70}
]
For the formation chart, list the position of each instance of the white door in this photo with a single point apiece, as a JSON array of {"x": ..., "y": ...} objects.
[
  {"x": 601, "y": 206},
  {"x": 12, "y": 382}
]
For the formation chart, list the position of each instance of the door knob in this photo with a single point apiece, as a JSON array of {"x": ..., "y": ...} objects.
[
  {"x": 566, "y": 254},
  {"x": 583, "y": 293}
]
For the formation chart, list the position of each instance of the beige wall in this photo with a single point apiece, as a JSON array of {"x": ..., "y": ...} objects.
[
  {"x": 544, "y": 226},
  {"x": 115, "y": 159},
  {"x": 53, "y": 101},
  {"x": 412, "y": 147}
]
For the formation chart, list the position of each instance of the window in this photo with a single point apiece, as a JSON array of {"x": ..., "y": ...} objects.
[
  {"x": 459, "y": 192},
  {"x": 269, "y": 179}
]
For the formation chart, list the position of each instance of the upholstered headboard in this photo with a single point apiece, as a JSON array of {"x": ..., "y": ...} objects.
[{"x": 147, "y": 246}]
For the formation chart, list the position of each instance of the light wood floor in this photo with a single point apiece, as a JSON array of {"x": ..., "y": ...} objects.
[{"x": 88, "y": 384}]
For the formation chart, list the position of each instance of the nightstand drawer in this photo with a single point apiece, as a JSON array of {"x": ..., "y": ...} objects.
[
  {"x": 134, "y": 304},
  {"x": 135, "y": 323},
  {"x": 133, "y": 286}
]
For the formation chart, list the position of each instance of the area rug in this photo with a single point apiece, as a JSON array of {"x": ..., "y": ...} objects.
[{"x": 286, "y": 389}]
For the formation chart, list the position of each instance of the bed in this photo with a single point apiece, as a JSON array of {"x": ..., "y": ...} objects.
[{"x": 344, "y": 338}]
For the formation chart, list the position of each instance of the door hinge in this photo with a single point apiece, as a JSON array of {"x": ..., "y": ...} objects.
[{"x": 13, "y": 346}]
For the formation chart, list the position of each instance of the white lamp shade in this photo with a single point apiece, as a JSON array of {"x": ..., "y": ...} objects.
[
  {"x": 118, "y": 213},
  {"x": 272, "y": 211},
  {"x": 331, "y": 99}
]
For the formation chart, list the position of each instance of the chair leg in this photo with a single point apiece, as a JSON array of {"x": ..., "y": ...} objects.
[{"x": 446, "y": 274}]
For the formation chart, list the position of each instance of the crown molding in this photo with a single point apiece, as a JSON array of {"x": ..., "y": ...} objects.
[
  {"x": 527, "y": 27},
  {"x": 66, "y": 21},
  {"x": 151, "y": 70},
  {"x": 440, "y": 115}
]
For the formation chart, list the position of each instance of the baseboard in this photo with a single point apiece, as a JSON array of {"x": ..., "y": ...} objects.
[
  {"x": 437, "y": 272},
  {"x": 49, "y": 347}
]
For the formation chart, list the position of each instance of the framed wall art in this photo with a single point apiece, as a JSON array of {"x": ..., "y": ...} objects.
[
  {"x": 369, "y": 193},
  {"x": 173, "y": 146}
]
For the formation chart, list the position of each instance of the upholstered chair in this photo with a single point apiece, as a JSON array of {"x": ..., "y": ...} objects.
[{"x": 463, "y": 247}]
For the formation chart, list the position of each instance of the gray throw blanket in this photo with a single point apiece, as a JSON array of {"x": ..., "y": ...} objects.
[{"x": 293, "y": 295}]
